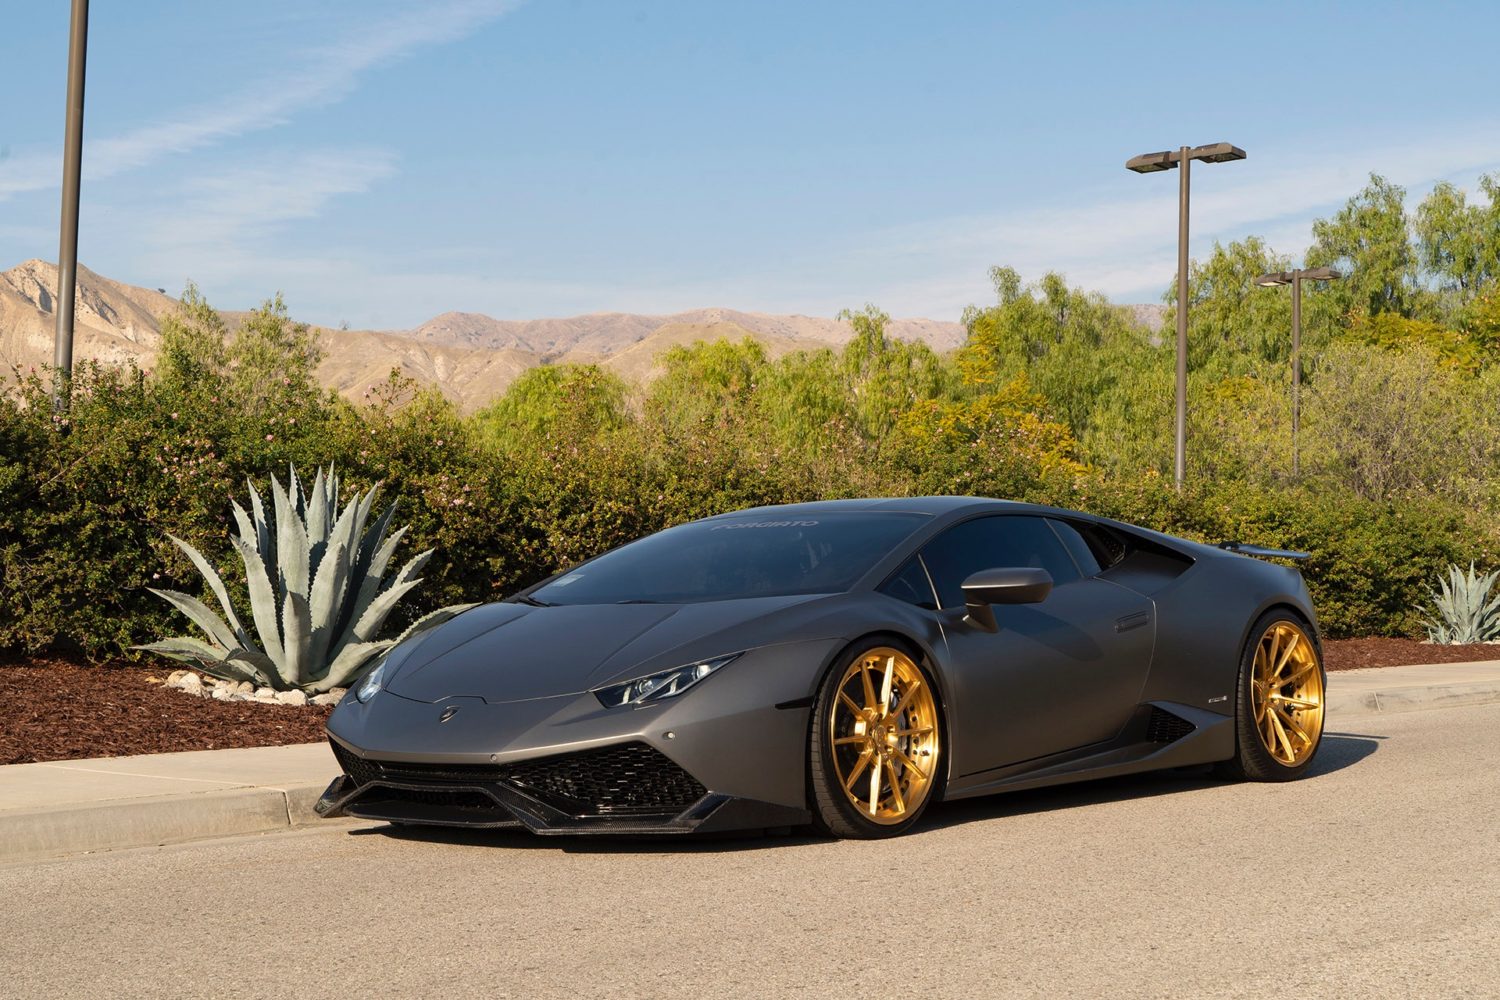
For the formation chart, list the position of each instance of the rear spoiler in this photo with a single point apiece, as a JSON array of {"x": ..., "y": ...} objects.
[{"x": 1263, "y": 552}]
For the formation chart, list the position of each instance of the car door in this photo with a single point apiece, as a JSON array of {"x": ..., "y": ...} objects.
[{"x": 1058, "y": 675}]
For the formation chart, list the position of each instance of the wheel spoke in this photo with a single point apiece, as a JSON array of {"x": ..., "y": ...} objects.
[
  {"x": 864, "y": 676},
  {"x": 911, "y": 690},
  {"x": 846, "y": 740},
  {"x": 875, "y": 790},
  {"x": 1288, "y": 723},
  {"x": 912, "y": 764},
  {"x": 919, "y": 731},
  {"x": 900, "y": 803},
  {"x": 885, "y": 684},
  {"x": 1302, "y": 672},
  {"x": 859, "y": 767},
  {"x": 1282, "y": 738},
  {"x": 1285, "y": 656},
  {"x": 850, "y": 702},
  {"x": 1297, "y": 703}
]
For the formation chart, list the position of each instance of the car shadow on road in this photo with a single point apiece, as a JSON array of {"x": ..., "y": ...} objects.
[{"x": 1339, "y": 751}]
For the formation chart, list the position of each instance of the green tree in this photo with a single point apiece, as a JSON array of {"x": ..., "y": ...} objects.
[
  {"x": 1369, "y": 240},
  {"x": 1458, "y": 243}
]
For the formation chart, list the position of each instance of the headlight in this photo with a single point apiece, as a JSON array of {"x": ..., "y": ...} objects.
[
  {"x": 372, "y": 682},
  {"x": 659, "y": 687}
]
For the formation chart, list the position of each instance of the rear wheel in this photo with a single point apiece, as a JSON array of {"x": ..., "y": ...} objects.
[
  {"x": 1279, "y": 703},
  {"x": 876, "y": 744}
]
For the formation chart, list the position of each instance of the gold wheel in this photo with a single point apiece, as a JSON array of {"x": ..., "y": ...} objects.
[
  {"x": 1286, "y": 694},
  {"x": 883, "y": 731}
]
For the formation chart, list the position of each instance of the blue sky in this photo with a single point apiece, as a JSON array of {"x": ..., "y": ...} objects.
[{"x": 381, "y": 161}]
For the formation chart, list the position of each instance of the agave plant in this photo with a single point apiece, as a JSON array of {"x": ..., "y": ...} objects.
[
  {"x": 319, "y": 593},
  {"x": 1463, "y": 610}
]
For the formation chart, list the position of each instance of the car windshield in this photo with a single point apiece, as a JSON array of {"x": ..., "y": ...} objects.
[{"x": 727, "y": 558}]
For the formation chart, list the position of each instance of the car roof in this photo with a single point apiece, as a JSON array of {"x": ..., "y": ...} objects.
[{"x": 915, "y": 505}]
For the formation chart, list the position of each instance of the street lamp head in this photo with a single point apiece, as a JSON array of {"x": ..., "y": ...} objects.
[
  {"x": 1150, "y": 163},
  {"x": 1274, "y": 278},
  {"x": 1219, "y": 152},
  {"x": 1321, "y": 274}
]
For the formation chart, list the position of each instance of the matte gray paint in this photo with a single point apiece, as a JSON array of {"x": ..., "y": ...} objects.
[{"x": 1055, "y": 695}]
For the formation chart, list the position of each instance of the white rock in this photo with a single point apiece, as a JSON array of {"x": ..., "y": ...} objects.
[
  {"x": 222, "y": 694},
  {"x": 264, "y": 694},
  {"x": 292, "y": 697},
  {"x": 244, "y": 689},
  {"x": 191, "y": 683},
  {"x": 338, "y": 692},
  {"x": 326, "y": 698},
  {"x": 175, "y": 678}
]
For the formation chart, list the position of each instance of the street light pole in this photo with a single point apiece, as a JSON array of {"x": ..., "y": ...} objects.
[
  {"x": 1295, "y": 279},
  {"x": 1179, "y": 462},
  {"x": 67, "y": 251},
  {"x": 1150, "y": 163},
  {"x": 1296, "y": 375}
]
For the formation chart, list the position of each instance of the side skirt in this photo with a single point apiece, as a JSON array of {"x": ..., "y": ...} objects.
[{"x": 1195, "y": 737}]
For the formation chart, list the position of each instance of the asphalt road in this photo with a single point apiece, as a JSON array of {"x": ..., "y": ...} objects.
[{"x": 1375, "y": 877}]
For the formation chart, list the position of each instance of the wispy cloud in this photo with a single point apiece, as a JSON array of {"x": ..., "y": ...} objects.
[
  {"x": 1124, "y": 242},
  {"x": 322, "y": 74},
  {"x": 219, "y": 212}
]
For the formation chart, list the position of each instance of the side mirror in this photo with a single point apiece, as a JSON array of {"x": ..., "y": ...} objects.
[{"x": 1008, "y": 585}]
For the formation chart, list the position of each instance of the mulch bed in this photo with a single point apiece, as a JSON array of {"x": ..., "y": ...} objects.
[
  {"x": 56, "y": 708},
  {"x": 60, "y": 709},
  {"x": 1355, "y": 654}
]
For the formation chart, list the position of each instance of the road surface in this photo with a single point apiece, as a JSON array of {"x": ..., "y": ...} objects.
[{"x": 1379, "y": 875}]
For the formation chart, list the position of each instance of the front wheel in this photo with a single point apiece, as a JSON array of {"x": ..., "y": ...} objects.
[
  {"x": 876, "y": 745},
  {"x": 1279, "y": 702}
]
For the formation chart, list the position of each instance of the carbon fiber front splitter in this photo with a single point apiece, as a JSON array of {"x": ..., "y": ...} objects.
[{"x": 495, "y": 805}]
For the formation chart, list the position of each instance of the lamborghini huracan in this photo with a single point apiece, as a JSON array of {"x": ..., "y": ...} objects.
[{"x": 840, "y": 665}]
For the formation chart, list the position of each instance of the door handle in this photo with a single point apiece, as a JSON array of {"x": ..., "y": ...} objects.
[{"x": 1130, "y": 621}]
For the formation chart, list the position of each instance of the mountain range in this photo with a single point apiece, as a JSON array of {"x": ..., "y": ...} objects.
[{"x": 471, "y": 357}]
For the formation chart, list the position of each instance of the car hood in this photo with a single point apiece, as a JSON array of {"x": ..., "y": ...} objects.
[{"x": 509, "y": 652}]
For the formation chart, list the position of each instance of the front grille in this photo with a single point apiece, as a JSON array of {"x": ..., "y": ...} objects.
[
  {"x": 630, "y": 779},
  {"x": 1164, "y": 727}
]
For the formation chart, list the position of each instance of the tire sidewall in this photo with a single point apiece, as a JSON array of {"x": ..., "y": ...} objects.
[
  {"x": 1255, "y": 761},
  {"x": 824, "y": 791}
]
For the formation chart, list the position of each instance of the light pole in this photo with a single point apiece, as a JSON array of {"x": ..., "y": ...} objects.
[
  {"x": 1150, "y": 163},
  {"x": 67, "y": 250},
  {"x": 1295, "y": 279}
]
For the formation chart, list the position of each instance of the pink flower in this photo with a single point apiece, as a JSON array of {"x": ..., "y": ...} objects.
[{"x": 270, "y": 437}]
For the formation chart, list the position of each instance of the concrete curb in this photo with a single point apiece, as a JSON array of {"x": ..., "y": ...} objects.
[
  {"x": 34, "y": 834},
  {"x": 1381, "y": 690},
  {"x": 1410, "y": 699}
]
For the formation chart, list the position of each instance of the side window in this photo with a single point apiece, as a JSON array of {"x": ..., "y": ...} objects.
[
  {"x": 910, "y": 584},
  {"x": 1078, "y": 548},
  {"x": 992, "y": 542}
]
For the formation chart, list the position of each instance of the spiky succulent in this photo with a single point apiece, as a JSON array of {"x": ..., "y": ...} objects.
[
  {"x": 1462, "y": 608},
  {"x": 318, "y": 588}
]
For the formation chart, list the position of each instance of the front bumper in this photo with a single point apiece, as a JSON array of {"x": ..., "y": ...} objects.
[{"x": 627, "y": 788}]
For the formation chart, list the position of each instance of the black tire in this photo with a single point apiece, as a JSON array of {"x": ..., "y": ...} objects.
[
  {"x": 1253, "y": 759},
  {"x": 833, "y": 813}
]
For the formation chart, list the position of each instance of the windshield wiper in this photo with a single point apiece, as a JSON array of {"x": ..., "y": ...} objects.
[{"x": 532, "y": 601}]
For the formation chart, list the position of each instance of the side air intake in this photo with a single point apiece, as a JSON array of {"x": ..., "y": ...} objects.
[{"x": 1164, "y": 727}]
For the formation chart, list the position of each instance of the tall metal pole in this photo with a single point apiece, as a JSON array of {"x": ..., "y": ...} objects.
[
  {"x": 67, "y": 252},
  {"x": 1296, "y": 371},
  {"x": 1180, "y": 465}
]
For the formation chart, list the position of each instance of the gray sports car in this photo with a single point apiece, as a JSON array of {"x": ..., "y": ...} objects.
[{"x": 841, "y": 664}]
